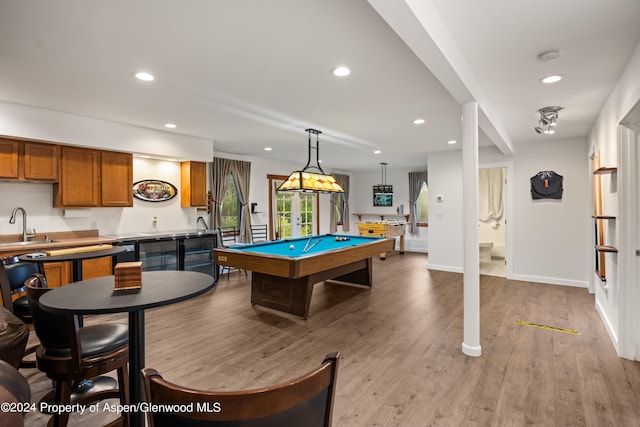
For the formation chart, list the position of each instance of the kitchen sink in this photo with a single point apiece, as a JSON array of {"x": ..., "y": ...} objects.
[{"x": 27, "y": 243}]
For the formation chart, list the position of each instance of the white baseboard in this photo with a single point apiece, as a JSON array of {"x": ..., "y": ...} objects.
[
  {"x": 551, "y": 280},
  {"x": 450, "y": 269},
  {"x": 610, "y": 330}
]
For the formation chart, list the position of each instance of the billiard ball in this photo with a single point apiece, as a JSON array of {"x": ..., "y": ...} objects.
[{"x": 291, "y": 246}]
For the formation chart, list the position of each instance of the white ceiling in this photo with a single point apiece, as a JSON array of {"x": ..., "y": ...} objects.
[{"x": 249, "y": 74}]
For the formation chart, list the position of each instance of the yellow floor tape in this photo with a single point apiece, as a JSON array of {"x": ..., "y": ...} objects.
[{"x": 550, "y": 328}]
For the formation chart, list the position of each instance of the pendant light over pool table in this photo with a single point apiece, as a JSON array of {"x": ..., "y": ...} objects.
[{"x": 311, "y": 182}]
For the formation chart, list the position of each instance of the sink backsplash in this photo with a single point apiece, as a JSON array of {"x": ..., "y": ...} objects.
[{"x": 37, "y": 200}]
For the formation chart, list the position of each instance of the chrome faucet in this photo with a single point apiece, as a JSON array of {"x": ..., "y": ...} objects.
[
  {"x": 12, "y": 220},
  {"x": 200, "y": 220}
]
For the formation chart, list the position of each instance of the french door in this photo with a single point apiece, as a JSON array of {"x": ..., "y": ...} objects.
[{"x": 292, "y": 214}]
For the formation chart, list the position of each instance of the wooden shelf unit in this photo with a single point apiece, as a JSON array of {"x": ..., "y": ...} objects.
[
  {"x": 382, "y": 216},
  {"x": 604, "y": 170},
  {"x": 599, "y": 218}
]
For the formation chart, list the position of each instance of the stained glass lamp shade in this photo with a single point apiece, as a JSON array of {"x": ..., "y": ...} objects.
[{"x": 306, "y": 181}]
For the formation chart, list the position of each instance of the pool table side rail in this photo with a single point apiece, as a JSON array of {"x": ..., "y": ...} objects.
[{"x": 283, "y": 266}]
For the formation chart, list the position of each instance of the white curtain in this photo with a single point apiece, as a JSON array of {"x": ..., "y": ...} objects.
[{"x": 490, "y": 188}]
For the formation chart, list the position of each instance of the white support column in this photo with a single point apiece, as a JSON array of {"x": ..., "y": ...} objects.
[{"x": 471, "y": 343}]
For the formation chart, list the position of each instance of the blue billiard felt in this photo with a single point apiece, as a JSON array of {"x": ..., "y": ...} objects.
[{"x": 326, "y": 242}]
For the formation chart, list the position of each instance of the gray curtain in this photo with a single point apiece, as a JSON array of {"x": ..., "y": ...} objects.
[
  {"x": 220, "y": 171},
  {"x": 242, "y": 174},
  {"x": 415, "y": 184},
  {"x": 343, "y": 180}
]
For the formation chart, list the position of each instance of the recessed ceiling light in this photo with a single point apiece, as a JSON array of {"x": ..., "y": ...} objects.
[
  {"x": 267, "y": 148},
  {"x": 418, "y": 121},
  {"x": 377, "y": 152},
  {"x": 341, "y": 71},
  {"x": 451, "y": 141},
  {"x": 170, "y": 125},
  {"x": 551, "y": 79},
  {"x": 144, "y": 76}
]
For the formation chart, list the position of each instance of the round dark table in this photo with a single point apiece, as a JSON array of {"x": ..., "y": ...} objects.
[
  {"x": 75, "y": 258},
  {"x": 97, "y": 296}
]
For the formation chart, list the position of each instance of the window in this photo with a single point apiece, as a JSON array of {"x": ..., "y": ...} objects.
[
  {"x": 423, "y": 205},
  {"x": 339, "y": 208},
  {"x": 284, "y": 211},
  {"x": 231, "y": 205}
]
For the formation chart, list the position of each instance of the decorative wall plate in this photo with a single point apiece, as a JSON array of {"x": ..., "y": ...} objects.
[
  {"x": 546, "y": 185},
  {"x": 154, "y": 190}
]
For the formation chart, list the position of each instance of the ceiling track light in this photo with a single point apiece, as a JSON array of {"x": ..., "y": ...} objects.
[{"x": 548, "y": 120}]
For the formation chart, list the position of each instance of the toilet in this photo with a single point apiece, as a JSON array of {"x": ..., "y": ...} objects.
[{"x": 485, "y": 251}]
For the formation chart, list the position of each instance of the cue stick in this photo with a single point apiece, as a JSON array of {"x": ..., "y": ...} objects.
[
  {"x": 307, "y": 245},
  {"x": 312, "y": 246}
]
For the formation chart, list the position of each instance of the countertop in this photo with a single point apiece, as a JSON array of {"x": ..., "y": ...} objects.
[
  {"x": 72, "y": 239},
  {"x": 57, "y": 243},
  {"x": 157, "y": 235}
]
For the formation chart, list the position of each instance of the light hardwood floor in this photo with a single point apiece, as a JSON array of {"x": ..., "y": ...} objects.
[{"x": 402, "y": 363}]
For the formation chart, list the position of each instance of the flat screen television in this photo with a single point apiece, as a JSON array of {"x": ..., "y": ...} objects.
[{"x": 383, "y": 195}]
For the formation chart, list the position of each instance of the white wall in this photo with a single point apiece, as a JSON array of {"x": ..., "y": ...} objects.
[
  {"x": 445, "y": 217},
  {"x": 47, "y": 125},
  {"x": 550, "y": 239},
  {"x": 362, "y": 202},
  {"x": 618, "y": 299}
]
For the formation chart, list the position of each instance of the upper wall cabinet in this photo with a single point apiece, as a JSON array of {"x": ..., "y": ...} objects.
[
  {"x": 94, "y": 178},
  {"x": 9, "y": 159},
  {"x": 193, "y": 183},
  {"x": 79, "y": 178},
  {"x": 41, "y": 161},
  {"x": 28, "y": 161},
  {"x": 116, "y": 188}
]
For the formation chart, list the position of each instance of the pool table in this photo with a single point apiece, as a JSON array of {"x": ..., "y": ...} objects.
[{"x": 284, "y": 271}]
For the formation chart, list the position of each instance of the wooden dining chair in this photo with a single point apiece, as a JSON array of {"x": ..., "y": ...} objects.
[
  {"x": 68, "y": 353},
  {"x": 304, "y": 401},
  {"x": 259, "y": 233}
]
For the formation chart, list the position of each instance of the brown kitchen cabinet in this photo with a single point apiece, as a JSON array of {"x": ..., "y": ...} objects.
[
  {"x": 116, "y": 188},
  {"x": 97, "y": 267},
  {"x": 58, "y": 273},
  {"x": 9, "y": 154},
  {"x": 193, "y": 184},
  {"x": 79, "y": 178},
  {"x": 41, "y": 161},
  {"x": 28, "y": 161},
  {"x": 94, "y": 178},
  {"x": 61, "y": 273}
]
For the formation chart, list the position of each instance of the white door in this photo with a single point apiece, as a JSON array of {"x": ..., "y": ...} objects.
[{"x": 294, "y": 213}]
